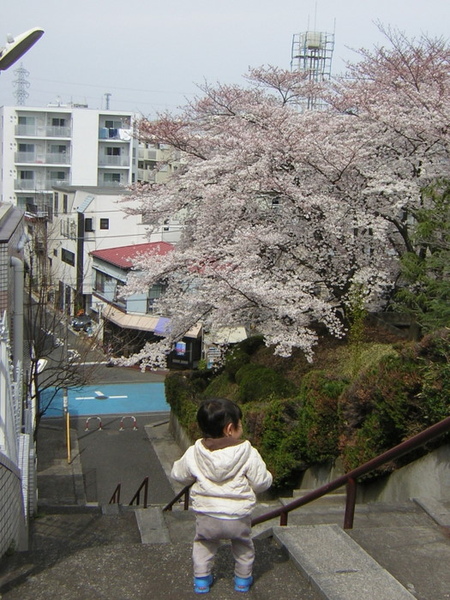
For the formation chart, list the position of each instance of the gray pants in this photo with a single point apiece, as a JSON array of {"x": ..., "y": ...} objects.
[{"x": 209, "y": 532}]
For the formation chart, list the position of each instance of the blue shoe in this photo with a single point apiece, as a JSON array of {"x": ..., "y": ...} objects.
[
  {"x": 242, "y": 584},
  {"x": 202, "y": 584}
]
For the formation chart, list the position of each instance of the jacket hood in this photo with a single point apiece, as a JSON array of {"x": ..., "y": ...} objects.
[{"x": 221, "y": 463}]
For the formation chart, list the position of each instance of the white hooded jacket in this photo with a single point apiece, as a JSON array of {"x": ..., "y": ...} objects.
[{"x": 226, "y": 476}]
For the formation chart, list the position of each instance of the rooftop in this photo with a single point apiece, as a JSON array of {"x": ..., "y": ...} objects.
[{"x": 123, "y": 255}]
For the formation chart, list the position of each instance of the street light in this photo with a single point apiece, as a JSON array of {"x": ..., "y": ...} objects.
[{"x": 16, "y": 47}]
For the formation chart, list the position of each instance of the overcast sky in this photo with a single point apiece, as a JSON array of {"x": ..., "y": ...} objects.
[{"x": 150, "y": 54}]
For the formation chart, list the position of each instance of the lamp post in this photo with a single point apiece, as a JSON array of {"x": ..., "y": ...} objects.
[{"x": 16, "y": 47}]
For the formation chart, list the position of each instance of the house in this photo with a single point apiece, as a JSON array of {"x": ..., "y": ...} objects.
[{"x": 129, "y": 322}]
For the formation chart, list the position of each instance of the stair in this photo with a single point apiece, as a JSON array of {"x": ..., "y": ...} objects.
[{"x": 91, "y": 552}]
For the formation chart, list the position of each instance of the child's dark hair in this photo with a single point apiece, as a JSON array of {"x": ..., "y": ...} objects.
[{"x": 215, "y": 414}]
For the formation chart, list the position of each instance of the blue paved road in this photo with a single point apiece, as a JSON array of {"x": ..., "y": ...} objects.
[{"x": 109, "y": 399}]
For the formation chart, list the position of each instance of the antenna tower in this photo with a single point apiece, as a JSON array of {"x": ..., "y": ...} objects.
[
  {"x": 21, "y": 84},
  {"x": 312, "y": 53},
  {"x": 107, "y": 96}
]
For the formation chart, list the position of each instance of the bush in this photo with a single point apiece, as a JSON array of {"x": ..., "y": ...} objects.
[
  {"x": 234, "y": 360},
  {"x": 269, "y": 426},
  {"x": 396, "y": 399},
  {"x": 318, "y": 429},
  {"x": 258, "y": 383},
  {"x": 182, "y": 399}
]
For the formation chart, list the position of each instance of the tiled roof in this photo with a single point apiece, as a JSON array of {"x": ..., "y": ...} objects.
[{"x": 123, "y": 255}]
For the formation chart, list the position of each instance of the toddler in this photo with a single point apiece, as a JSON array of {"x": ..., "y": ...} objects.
[{"x": 226, "y": 472}]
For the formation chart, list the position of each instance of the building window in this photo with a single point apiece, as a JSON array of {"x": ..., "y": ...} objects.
[
  {"x": 27, "y": 175},
  {"x": 105, "y": 284},
  {"x": 58, "y": 149},
  {"x": 55, "y": 204},
  {"x": 155, "y": 292},
  {"x": 65, "y": 203},
  {"x": 89, "y": 224},
  {"x": 68, "y": 257},
  {"x": 111, "y": 177},
  {"x": 26, "y": 148},
  {"x": 104, "y": 223},
  {"x": 58, "y": 122},
  {"x": 57, "y": 175},
  {"x": 112, "y": 151},
  {"x": 110, "y": 124}
]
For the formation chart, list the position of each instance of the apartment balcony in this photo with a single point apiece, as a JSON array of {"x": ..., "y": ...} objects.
[
  {"x": 146, "y": 175},
  {"x": 50, "y": 158},
  {"x": 42, "y": 131},
  {"x": 38, "y": 185},
  {"x": 147, "y": 154},
  {"x": 114, "y": 161},
  {"x": 106, "y": 133}
]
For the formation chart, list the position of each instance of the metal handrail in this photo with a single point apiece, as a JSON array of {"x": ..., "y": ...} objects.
[
  {"x": 184, "y": 492},
  {"x": 349, "y": 479},
  {"x": 115, "y": 498},
  {"x": 137, "y": 496}
]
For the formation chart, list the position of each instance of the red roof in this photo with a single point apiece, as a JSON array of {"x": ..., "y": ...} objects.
[{"x": 123, "y": 255}]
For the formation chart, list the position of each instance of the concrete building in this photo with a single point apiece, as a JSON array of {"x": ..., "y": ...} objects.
[{"x": 62, "y": 145}]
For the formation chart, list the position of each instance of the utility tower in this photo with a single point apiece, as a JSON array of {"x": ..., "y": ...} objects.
[
  {"x": 21, "y": 84},
  {"x": 312, "y": 53}
]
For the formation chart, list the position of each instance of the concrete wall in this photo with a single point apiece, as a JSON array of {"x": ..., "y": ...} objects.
[
  {"x": 428, "y": 476},
  {"x": 178, "y": 433}
]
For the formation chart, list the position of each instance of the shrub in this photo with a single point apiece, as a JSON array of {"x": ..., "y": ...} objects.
[
  {"x": 318, "y": 428},
  {"x": 182, "y": 399},
  {"x": 222, "y": 387},
  {"x": 396, "y": 399},
  {"x": 261, "y": 383},
  {"x": 234, "y": 360},
  {"x": 270, "y": 426}
]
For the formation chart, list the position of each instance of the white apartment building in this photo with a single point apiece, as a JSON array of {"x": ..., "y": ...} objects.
[{"x": 62, "y": 145}]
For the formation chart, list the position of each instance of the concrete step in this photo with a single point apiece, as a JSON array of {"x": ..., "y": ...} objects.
[
  {"x": 337, "y": 566},
  {"x": 418, "y": 557},
  {"x": 159, "y": 571}
]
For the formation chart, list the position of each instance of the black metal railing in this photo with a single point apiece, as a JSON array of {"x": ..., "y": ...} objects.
[
  {"x": 184, "y": 493},
  {"x": 115, "y": 498}
]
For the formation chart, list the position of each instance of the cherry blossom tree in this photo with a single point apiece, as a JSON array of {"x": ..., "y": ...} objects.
[{"x": 285, "y": 210}]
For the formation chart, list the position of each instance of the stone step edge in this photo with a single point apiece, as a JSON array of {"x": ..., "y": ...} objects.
[
  {"x": 151, "y": 525},
  {"x": 336, "y": 565},
  {"x": 434, "y": 509}
]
